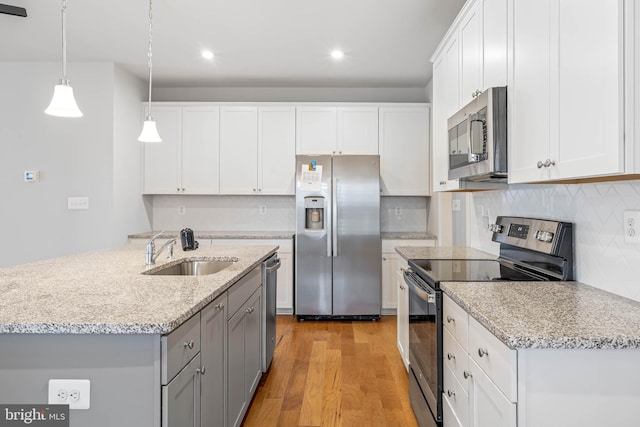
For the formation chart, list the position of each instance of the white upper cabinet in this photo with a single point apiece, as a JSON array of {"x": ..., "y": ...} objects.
[
  {"x": 470, "y": 41},
  {"x": 276, "y": 150},
  {"x": 566, "y": 89},
  {"x": 239, "y": 150},
  {"x": 337, "y": 130},
  {"x": 186, "y": 161},
  {"x": 257, "y": 150},
  {"x": 404, "y": 151},
  {"x": 471, "y": 58},
  {"x": 201, "y": 150},
  {"x": 316, "y": 130},
  {"x": 494, "y": 43},
  {"x": 357, "y": 130}
]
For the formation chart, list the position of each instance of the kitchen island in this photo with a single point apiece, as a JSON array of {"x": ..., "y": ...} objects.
[{"x": 96, "y": 316}]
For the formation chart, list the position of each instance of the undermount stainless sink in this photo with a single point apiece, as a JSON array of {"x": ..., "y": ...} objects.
[{"x": 191, "y": 268}]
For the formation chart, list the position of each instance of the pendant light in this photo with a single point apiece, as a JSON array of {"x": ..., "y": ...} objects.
[
  {"x": 63, "y": 103},
  {"x": 149, "y": 130}
]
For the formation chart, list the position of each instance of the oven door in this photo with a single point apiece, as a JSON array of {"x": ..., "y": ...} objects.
[{"x": 425, "y": 340}]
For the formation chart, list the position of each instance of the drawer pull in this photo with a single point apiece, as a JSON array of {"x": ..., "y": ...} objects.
[
  {"x": 482, "y": 352},
  {"x": 451, "y": 393},
  {"x": 201, "y": 370},
  {"x": 467, "y": 375},
  {"x": 450, "y": 319},
  {"x": 451, "y": 356},
  {"x": 188, "y": 344}
]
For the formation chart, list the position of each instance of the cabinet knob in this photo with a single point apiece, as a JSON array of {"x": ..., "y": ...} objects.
[
  {"x": 466, "y": 374},
  {"x": 384, "y": 258},
  {"x": 450, "y": 319},
  {"x": 254, "y": 190},
  {"x": 188, "y": 344},
  {"x": 451, "y": 356},
  {"x": 247, "y": 310},
  {"x": 202, "y": 370},
  {"x": 339, "y": 152},
  {"x": 482, "y": 352},
  {"x": 183, "y": 190},
  {"x": 451, "y": 393},
  {"x": 178, "y": 189},
  {"x": 219, "y": 306},
  {"x": 546, "y": 163},
  {"x": 401, "y": 287}
]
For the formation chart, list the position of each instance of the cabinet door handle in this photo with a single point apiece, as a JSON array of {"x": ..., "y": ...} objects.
[
  {"x": 443, "y": 182},
  {"x": 247, "y": 310},
  {"x": 482, "y": 352},
  {"x": 451, "y": 356},
  {"x": 451, "y": 393},
  {"x": 188, "y": 344},
  {"x": 219, "y": 306},
  {"x": 450, "y": 319},
  {"x": 202, "y": 370},
  {"x": 401, "y": 288},
  {"x": 546, "y": 163},
  {"x": 467, "y": 375}
]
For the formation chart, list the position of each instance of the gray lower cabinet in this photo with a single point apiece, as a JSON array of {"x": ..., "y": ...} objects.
[
  {"x": 245, "y": 367},
  {"x": 213, "y": 384},
  {"x": 181, "y": 397}
]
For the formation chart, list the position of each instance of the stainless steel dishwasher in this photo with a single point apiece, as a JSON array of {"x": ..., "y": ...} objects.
[{"x": 269, "y": 289}]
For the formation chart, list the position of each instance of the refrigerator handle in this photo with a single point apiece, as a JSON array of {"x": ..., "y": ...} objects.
[
  {"x": 329, "y": 233},
  {"x": 334, "y": 210}
]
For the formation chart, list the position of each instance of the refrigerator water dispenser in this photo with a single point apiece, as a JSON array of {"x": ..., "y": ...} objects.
[{"x": 314, "y": 213}]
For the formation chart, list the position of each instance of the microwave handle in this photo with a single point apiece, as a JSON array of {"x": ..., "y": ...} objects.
[{"x": 474, "y": 155}]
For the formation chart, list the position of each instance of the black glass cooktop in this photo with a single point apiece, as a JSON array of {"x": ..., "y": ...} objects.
[{"x": 434, "y": 271}]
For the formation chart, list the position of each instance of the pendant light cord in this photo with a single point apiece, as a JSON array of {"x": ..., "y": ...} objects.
[
  {"x": 64, "y": 43},
  {"x": 150, "y": 52}
]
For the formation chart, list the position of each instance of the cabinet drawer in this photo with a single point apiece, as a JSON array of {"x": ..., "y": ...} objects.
[
  {"x": 179, "y": 347},
  {"x": 239, "y": 293},
  {"x": 456, "y": 321},
  {"x": 458, "y": 398},
  {"x": 449, "y": 418},
  {"x": 497, "y": 360},
  {"x": 456, "y": 358}
]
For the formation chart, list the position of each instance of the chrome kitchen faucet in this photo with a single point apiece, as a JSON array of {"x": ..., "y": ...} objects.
[{"x": 151, "y": 255}]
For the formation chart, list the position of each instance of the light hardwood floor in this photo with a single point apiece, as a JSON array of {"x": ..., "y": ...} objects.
[{"x": 334, "y": 373}]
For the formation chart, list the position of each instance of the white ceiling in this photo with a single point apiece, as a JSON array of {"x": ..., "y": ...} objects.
[{"x": 268, "y": 43}]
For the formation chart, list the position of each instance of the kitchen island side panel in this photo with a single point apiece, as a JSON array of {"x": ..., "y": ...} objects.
[{"x": 124, "y": 371}]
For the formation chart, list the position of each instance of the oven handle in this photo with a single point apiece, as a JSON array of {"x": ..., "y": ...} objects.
[{"x": 429, "y": 297}]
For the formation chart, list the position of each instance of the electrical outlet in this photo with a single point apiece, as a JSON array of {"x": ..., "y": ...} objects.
[
  {"x": 455, "y": 205},
  {"x": 398, "y": 211},
  {"x": 75, "y": 393},
  {"x": 263, "y": 209},
  {"x": 75, "y": 203},
  {"x": 631, "y": 226},
  {"x": 182, "y": 210}
]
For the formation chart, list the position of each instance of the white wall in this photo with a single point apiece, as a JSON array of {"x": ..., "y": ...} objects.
[
  {"x": 131, "y": 212},
  {"x": 290, "y": 94},
  {"x": 603, "y": 259},
  {"x": 74, "y": 156}
]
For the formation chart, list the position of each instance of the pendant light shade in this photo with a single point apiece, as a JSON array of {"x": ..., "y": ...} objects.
[
  {"x": 149, "y": 131},
  {"x": 63, "y": 104}
]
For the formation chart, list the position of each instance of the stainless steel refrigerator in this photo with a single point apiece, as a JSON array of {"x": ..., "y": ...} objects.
[{"x": 338, "y": 247}]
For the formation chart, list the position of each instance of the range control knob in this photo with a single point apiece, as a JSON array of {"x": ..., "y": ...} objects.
[
  {"x": 496, "y": 228},
  {"x": 544, "y": 236}
]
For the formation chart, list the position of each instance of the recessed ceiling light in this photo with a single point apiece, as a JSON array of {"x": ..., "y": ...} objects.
[
  {"x": 207, "y": 54},
  {"x": 337, "y": 54}
]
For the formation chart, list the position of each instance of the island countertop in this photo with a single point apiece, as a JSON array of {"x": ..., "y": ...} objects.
[{"x": 106, "y": 293}]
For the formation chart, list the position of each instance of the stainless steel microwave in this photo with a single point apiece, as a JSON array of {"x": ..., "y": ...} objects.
[{"x": 478, "y": 138}]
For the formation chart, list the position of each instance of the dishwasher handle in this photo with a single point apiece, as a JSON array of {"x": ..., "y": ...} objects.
[{"x": 273, "y": 267}]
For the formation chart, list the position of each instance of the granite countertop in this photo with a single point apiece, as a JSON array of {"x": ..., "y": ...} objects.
[
  {"x": 275, "y": 235},
  {"x": 105, "y": 292},
  {"x": 407, "y": 235},
  {"x": 550, "y": 315},
  {"x": 456, "y": 252}
]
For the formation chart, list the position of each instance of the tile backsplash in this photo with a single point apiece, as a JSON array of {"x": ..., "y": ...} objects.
[
  {"x": 603, "y": 259},
  {"x": 243, "y": 213}
]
